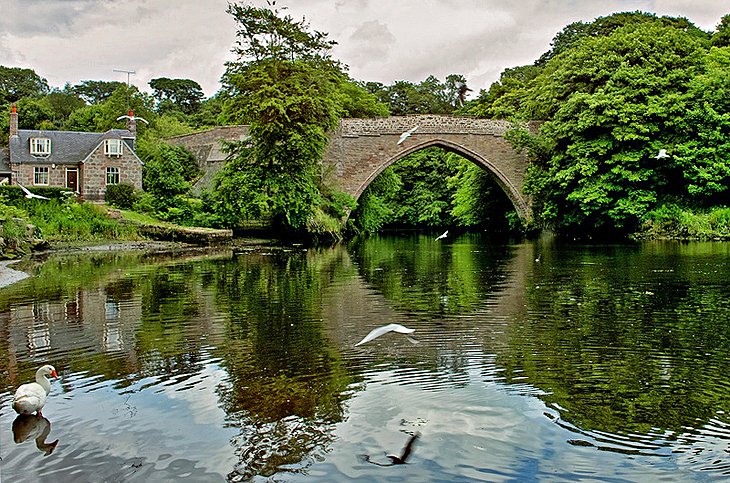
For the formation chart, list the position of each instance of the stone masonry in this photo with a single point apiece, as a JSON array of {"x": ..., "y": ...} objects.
[
  {"x": 360, "y": 149},
  {"x": 208, "y": 149}
]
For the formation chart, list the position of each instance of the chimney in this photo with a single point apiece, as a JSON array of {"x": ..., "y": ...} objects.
[
  {"x": 13, "y": 121},
  {"x": 132, "y": 123}
]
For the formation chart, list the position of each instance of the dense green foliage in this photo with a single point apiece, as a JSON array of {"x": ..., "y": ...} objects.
[
  {"x": 289, "y": 91},
  {"x": 120, "y": 195},
  {"x": 612, "y": 93},
  {"x": 17, "y": 83},
  {"x": 433, "y": 188},
  {"x": 430, "y": 96},
  {"x": 60, "y": 219},
  {"x": 168, "y": 175},
  {"x": 176, "y": 94}
]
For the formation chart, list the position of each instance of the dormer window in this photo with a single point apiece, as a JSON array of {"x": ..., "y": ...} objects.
[
  {"x": 113, "y": 147},
  {"x": 40, "y": 146}
]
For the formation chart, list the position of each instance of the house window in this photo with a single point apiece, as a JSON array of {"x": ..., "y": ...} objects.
[
  {"x": 40, "y": 146},
  {"x": 113, "y": 147},
  {"x": 40, "y": 175},
  {"x": 112, "y": 175}
]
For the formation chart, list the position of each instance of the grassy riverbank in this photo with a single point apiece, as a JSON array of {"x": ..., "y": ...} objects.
[
  {"x": 31, "y": 225},
  {"x": 674, "y": 222}
]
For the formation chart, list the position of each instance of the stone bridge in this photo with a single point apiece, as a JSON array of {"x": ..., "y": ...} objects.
[{"x": 360, "y": 149}]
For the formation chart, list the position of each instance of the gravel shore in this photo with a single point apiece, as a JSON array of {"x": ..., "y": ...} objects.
[{"x": 8, "y": 275}]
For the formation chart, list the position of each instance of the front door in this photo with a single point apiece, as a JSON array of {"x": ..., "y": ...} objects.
[{"x": 72, "y": 179}]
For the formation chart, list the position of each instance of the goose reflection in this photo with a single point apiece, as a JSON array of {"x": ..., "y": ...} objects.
[{"x": 27, "y": 426}]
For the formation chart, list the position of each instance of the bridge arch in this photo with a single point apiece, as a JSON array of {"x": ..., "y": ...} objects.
[
  {"x": 361, "y": 149},
  {"x": 509, "y": 189}
]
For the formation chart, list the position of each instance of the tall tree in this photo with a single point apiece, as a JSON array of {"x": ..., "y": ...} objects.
[
  {"x": 611, "y": 102},
  {"x": 16, "y": 83},
  {"x": 184, "y": 95},
  {"x": 284, "y": 85},
  {"x": 721, "y": 37},
  {"x": 96, "y": 91},
  {"x": 103, "y": 115}
]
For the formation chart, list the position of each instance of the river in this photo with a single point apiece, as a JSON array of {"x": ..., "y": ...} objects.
[{"x": 530, "y": 361}]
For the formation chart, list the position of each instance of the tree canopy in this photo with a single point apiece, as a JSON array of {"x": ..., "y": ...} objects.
[
  {"x": 611, "y": 94},
  {"x": 16, "y": 83},
  {"x": 176, "y": 94},
  {"x": 290, "y": 92},
  {"x": 96, "y": 91}
]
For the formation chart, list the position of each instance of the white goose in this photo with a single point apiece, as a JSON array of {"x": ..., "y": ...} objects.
[{"x": 30, "y": 398}]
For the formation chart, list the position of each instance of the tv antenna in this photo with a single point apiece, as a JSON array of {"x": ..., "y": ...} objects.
[{"x": 129, "y": 73}]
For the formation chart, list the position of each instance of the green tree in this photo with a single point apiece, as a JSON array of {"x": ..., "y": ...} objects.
[
  {"x": 17, "y": 83},
  {"x": 430, "y": 96},
  {"x": 102, "y": 116},
  {"x": 184, "y": 95},
  {"x": 357, "y": 102},
  {"x": 576, "y": 32},
  {"x": 611, "y": 102},
  {"x": 209, "y": 113},
  {"x": 168, "y": 174},
  {"x": 285, "y": 87},
  {"x": 64, "y": 103},
  {"x": 95, "y": 91},
  {"x": 721, "y": 37},
  {"x": 505, "y": 98},
  {"x": 477, "y": 199},
  {"x": 703, "y": 151}
]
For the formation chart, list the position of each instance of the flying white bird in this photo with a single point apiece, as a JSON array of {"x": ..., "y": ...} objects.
[
  {"x": 132, "y": 117},
  {"x": 375, "y": 333},
  {"x": 662, "y": 154},
  {"x": 30, "y": 195},
  {"x": 406, "y": 134},
  {"x": 443, "y": 235}
]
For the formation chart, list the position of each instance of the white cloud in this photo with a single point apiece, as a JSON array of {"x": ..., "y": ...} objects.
[{"x": 380, "y": 40}]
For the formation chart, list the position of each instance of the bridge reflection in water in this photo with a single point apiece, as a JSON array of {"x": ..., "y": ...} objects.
[{"x": 241, "y": 363}]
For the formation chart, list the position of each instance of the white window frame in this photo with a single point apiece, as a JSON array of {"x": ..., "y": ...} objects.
[
  {"x": 113, "y": 147},
  {"x": 112, "y": 171},
  {"x": 40, "y": 146},
  {"x": 40, "y": 175}
]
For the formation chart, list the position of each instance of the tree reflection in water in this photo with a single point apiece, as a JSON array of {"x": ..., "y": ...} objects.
[
  {"x": 287, "y": 384},
  {"x": 626, "y": 345}
]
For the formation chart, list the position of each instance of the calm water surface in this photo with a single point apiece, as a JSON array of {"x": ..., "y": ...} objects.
[{"x": 531, "y": 361}]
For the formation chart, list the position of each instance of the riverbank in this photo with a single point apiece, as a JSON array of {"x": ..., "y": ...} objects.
[{"x": 9, "y": 276}]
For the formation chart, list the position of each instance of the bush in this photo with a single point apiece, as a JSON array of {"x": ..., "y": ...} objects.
[
  {"x": 121, "y": 195},
  {"x": 673, "y": 221}
]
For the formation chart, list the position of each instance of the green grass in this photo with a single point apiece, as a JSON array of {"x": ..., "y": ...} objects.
[
  {"x": 57, "y": 221},
  {"x": 672, "y": 221}
]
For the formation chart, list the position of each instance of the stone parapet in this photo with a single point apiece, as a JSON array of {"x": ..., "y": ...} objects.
[{"x": 427, "y": 124}]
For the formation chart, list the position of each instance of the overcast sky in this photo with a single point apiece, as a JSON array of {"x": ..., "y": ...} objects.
[{"x": 380, "y": 40}]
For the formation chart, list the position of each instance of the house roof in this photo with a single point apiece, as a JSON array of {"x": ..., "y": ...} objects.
[
  {"x": 66, "y": 146},
  {"x": 4, "y": 160}
]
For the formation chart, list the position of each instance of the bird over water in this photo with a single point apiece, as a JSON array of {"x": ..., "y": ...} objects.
[{"x": 375, "y": 333}]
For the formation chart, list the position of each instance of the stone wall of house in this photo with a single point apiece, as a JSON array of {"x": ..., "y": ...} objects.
[
  {"x": 92, "y": 176},
  {"x": 24, "y": 173}
]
